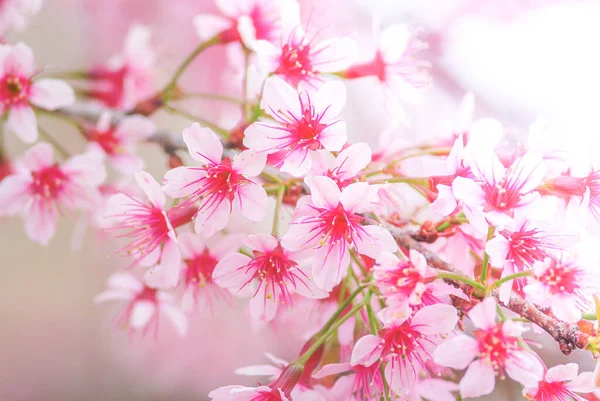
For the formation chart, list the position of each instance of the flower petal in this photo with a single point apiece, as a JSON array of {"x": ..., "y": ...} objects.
[
  {"x": 457, "y": 352},
  {"x": 324, "y": 191},
  {"x": 153, "y": 191},
  {"x": 367, "y": 350},
  {"x": 22, "y": 121},
  {"x": 203, "y": 145},
  {"x": 479, "y": 379},
  {"x": 435, "y": 319},
  {"x": 51, "y": 94},
  {"x": 483, "y": 315}
]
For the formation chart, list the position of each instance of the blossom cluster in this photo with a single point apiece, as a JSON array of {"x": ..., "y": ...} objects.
[{"x": 434, "y": 259}]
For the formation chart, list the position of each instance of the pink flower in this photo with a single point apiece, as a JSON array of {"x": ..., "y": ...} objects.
[
  {"x": 305, "y": 122},
  {"x": 300, "y": 59},
  {"x": 404, "y": 344},
  {"x": 241, "y": 393},
  {"x": 274, "y": 272},
  {"x": 328, "y": 221},
  {"x": 346, "y": 167},
  {"x": 126, "y": 78},
  {"x": 366, "y": 381},
  {"x": 560, "y": 383},
  {"x": 118, "y": 142},
  {"x": 219, "y": 185},
  {"x": 497, "y": 349},
  {"x": 584, "y": 191},
  {"x": 246, "y": 21},
  {"x": 14, "y": 14},
  {"x": 394, "y": 65},
  {"x": 19, "y": 90},
  {"x": 560, "y": 284},
  {"x": 40, "y": 188},
  {"x": 200, "y": 259},
  {"x": 145, "y": 305},
  {"x": 401, "y": 281},
  {"x": 151, "y": 228},
  {"x": 497, "y": 191}
]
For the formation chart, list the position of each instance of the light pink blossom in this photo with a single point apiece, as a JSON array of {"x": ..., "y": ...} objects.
[
  {"x": 15, "y": 13},
  {"x": 496, "y": 347},
  {"x": 405, "y": 343},
  {"x": 241, "y": 393},
  {"x": 19, "y": 90},
  {"x": 145, "y": 305},
  {"x": 127, "y": 78},
  {"x": 118, "y": 142},
  {"x": 328, "y": 221},
  {"x": 40, "y": 189},
  {"x": 220, "y": 186},
  {"x": 147, "y": 223},
  {"x": 561, "y": 382},
  {"x": 401, "y": 280},
  {"x": 305, "y": 122},
  {"x": 274, "y": 274},
  {"x": 344, "y": 168}
]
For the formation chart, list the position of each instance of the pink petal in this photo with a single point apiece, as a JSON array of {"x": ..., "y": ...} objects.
[
  {"x": 181, "y": 181},
  {"x": 22, "y": 121},
  {"x": 497, "y": 248},
  {"x": 177, "y": 317},
  {"x": 166, "y": 273},
  {"x": 584, "y": 383},
  {"x": 468, "y": 191},
  {"x": 484, "y": 133},
  {"x": 39, "y": 156},
  {"x": 191, "y": 245},
  {"x": 203, "y": 145},
  {"x": 51, "y": 94},
  {"x": 40, "y": 221},
  {"x": 457, "y": 352},
  {"x": 367, "y": 350},
  {"x": 297, "y": 162},
  {"x": 309, "y": 289},
  {"x": 126, "y": 163},
  {"x": 135, "y": 128},
  {"x": 252, "y": 201},
  {"x": 483, "y": 315},
  {"x": 357, "y": 197},
  {"x": 208, "y": 222},
  {"x": 87, "y": 169},
  {"x": 263, "y": 307},
  {"x": 14, "y": 194},
  {"x": 337, "y": 54},
  {"x": 155, "y": 194},
  {"x": 261, "y": 242},
  {"x": 525, "y": 368},
  {"x": 561, "y": 373},
  {"x": 330, "y": 96},
  {"x": 353, "y": 159},
  {"x": 435, "y": 319},
  {"x": 112, "y": 295},
  {"x": 332, "y": 369},
  {"x": 478, "y": 380},
  {"x": 261, "y": 138},
  {"x": 208, "y": 25},
  {"x": 334, "y": 137},
  {"x": 418, "y": 261},
  {"x": 229, "y": 273},
  {"x": 249, "y": 163},
  {"x": 324, "y": 192},
  {"x": 393, "y": 42},
  {"x": 141, "y": 313},
  {"x": 437, "y": 389},
  {"x": 445, "y": 203},
  {"x": 566, "y": 309},
  {"x": 376, "y": 240},
  {"x": 279, "y": 96},
  {"x": 330, "y": 265},
  {"x": 19, "y": 60},
  {"x": 124, "y": 281},
  {"x": 259, "y": 370}
]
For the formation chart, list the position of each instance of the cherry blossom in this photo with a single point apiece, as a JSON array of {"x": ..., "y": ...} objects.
[
  {"x": 496, "y": 347},
  {"x": 118, "y": 142},
  {"x": 15, "y": 13},
  {"x": 219, "y": 185},
  {"x": 40, "y": 189},
  {"x": 275, "y": 272},
  {"x": 328, "y": 221},
  {"x": 127, "y": 78},
  {"x": 344, "y": 168},
  {"x": 145, "y": 305},
  {"x": 20, "y": 90},
  {"x": 241, "y": 393},
  {"x": 304, "y": 123},
  {"x": 560, "y": 382},
  {"x": 150, "y": 226},
  {"x": 405, "y": 343},
  {"x": 402, "y": 280}
]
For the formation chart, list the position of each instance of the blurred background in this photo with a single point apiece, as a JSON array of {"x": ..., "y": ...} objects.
[{"x": 520, "y": 58}]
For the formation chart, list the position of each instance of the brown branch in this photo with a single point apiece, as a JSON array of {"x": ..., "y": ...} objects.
[{"x": 568, "y": 336}]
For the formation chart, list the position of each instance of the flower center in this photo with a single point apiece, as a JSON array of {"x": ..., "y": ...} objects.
[
  {"x": 495, "y": 346},
  {"x": 109, "y": 85},
  {"x": 265, "y": 22},
  {"x": 199, "y": 270},
  {"x": 147, "y": 294},
  {"x": 375, "y": 67},
  {"x": 272, "y": 395},
  {"x": 14, "y": 90},
  {"x": 402, "y": 281},
  {"x": 553, "y": 391},
  {"x": 221, "y": 182},
  {"x": 48, "y": 182},
  {"x": 106, "y": 139},
  {"x": 338, "y": 225},
  {"x": 562, "y": 279},
  {"x": 295, "y": 62},
  {"x": 526, "y": 247},
  {"x": 501, "y": 195}
]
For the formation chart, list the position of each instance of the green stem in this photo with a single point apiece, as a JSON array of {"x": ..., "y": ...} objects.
[
  {"x": 277, "y": 215},
  {"x": 218, "y": 130},
  {"x": 270, "y": 177},
  {"x": 503, "y": 280},
  {"x": 375, "y": 327},
  {"x": 81, "y": 74},
  {"x": 463, "y": 279},
  {"x": 302, "y": 359},
  {"x": 339, "y": 311},
  {"x": 486, "y": 257},
  {"x": 63, "y": 152},
  {"x": 589, "y": 316},
  {"x": 168, "y": 91}
]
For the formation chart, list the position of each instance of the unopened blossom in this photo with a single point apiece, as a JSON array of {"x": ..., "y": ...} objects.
[
  {"x": 495, "y": 192},
  {"x": 300, "y": 58},
  {"x": 394, "y": 64},
  {"x": 560, "y": 283},
  {"x": 344, "y": 168},
  {"x": 15, "y": 13},
  {"x": 305, "y": 122},
  {"x": 118, "y": 142},
  {"x": 219, "y": 186},
  {"x": 247, "y": 21},
  {"x": 20, "y": 90},
  {"x": 329, "y": 222},
  {"x": 40, "y": 189},
  {"x": 145, "y": 305},
  {"x": 273, "y": 274},
  {"x": 127, "y": 78},
  {"x": 404, "y": 344},
  {"x": 495, "y": 351},
  {"x": 150, "y": 228},
  {"x": 200, "y": 257},
  {"x": 560, "y": 383}
]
